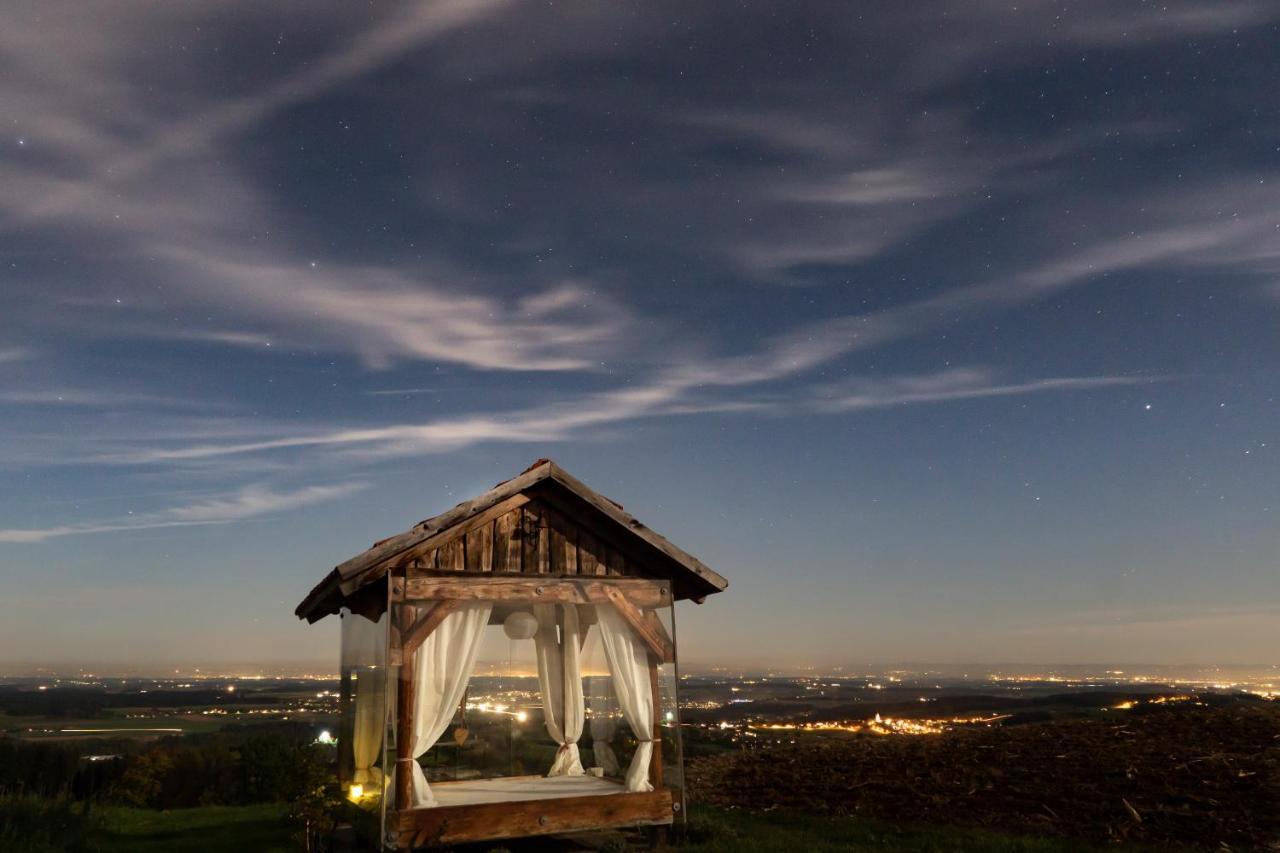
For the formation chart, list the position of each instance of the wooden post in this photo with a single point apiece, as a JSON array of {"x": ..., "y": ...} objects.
[
  {"x": 655, "y": 765},
  {"x": 404, "y": 717}
]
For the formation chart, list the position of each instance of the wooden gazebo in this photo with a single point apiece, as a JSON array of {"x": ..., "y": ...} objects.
[{"x": 540, "y": 557}]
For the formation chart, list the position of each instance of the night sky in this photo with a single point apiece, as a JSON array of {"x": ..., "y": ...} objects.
[{"x": 946, "y": 331}]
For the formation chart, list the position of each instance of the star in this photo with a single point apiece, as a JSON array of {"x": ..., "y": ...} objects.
[{"x": 1147, "y": 407}]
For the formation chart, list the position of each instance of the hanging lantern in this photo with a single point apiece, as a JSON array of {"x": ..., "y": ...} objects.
[{"x": 520, "y": 625}]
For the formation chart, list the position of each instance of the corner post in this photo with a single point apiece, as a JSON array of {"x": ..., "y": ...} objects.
[{"x": 404, "y": 716}]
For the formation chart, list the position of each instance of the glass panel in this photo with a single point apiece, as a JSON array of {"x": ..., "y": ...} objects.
[
  {"x": 669, "y": 719},
  {"x": 606, "y": 740},
  {"x": 361, "y": 731}
]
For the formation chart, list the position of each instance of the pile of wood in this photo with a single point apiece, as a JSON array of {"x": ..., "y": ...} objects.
[{"x": 1186, "y": 776}]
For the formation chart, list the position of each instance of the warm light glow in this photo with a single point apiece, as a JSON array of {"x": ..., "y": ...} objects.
[
  {"x": 521, "y": 716},
  {"x": 326, "y": 738},
  {"x": 355, "y": 792}
]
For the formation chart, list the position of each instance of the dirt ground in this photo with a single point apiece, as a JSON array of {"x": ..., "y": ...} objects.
[{"x": 1182, "y": 776}]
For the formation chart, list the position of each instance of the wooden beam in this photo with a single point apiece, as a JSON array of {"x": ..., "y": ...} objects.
[
  {"x": 405, "y": 707},
  {"x": 644, "y": 628},
  {"x": 418, "y": 633},
  {"x": 449, "y": 825},
  {"x": 551, "y": 589}
]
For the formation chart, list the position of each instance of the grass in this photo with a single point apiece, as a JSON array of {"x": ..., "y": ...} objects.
[
  {"x": 210, "y": 829},
  {"x": 36, "y": 825},
  {"x": 713, "y": 830},
  {"x": 46, "y": 826}
]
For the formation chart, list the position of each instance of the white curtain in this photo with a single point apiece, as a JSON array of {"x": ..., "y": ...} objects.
[
  {"x": 364, "y": 646},
  {"x": 560, "y": 679},
  {"x": 443, "y": 666},
  {"x": 366, "y": 735},
  {"x": 629, "y": 663},
  {"x": 604, "y": 722}
]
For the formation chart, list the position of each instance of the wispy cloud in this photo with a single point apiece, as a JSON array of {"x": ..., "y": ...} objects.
[
  {"x": 8, "y": 355},
  {"x": 951, "y": 385},
  {"x": 385, "y": 314},
  {"x": 249, "y": 502},
  {"x": 679, "y": 393},
  {"x": 164, "y": 188},
  {"x": 99, "y": 399},
  {"x": 400, "y": 392},
  {"x": 228, "y": 337},
  {"x": 395, "y": 35},
  {"x": 826, "y": 181}
]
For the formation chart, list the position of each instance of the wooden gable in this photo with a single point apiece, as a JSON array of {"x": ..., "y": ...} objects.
[
  {"x": 529, "y": 539},
  {"x": 543, "y": 522}
]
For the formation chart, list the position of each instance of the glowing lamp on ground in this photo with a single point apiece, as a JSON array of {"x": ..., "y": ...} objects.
[
  {"x": 326, "y": 738},
  {"x": 520, "y": 625},
  {"x": 521, "y": 716},
  {"x": 355, "y": 792}
]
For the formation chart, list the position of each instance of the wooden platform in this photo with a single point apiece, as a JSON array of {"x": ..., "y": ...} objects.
[{"x": 493, "y": 809}]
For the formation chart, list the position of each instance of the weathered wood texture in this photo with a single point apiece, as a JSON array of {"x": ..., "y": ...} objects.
[
  {"x": 446, "y": 825},
  {"x": 532, "y": 538},
  {"x": 634, "y": 592},
  {"x": 408, "y": 689},
  {"x": 644, "y": 622}
]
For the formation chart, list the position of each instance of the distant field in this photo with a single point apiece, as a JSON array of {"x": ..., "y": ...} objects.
[
  {"x": 1173, "y": 776},
  {"x": 111, "y": 725},
  {"x": 116, "y": 723}
]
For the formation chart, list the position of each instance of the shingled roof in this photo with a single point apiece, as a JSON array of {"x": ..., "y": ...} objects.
[{"x": 647, "y": 553}]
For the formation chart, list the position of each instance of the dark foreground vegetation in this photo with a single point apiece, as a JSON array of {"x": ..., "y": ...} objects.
[
  {"x": 1169, "y": 777},
  {"x": 35, "y": 825},
  {"x": 239, "y": 789},
  {"x": 1151, "y": 777}
]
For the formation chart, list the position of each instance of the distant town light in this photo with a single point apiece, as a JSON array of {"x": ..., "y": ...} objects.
[{"x": 521, "y": 716}]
